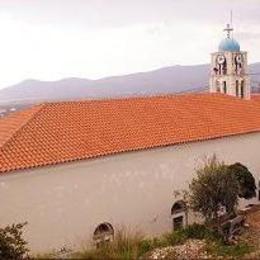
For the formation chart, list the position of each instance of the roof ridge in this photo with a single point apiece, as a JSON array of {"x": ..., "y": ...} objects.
[{"x": 30, "y": 118}]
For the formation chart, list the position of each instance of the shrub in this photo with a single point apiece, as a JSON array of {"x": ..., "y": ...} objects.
[
  {"x": 245, "y": 179},
  {"x": 212, "y": 189},
  {"x": 176, "y": 237},
  {"x": 128, "y": 246},
  {"x": 124, "y": 246},
  {"x": 160, "y": 242},
  {"x": 194, "y": 231},
  {"x": 197, "y": 231},
  {"x": 221, "y": 249},
  {"x": 145, "y": 246},
  {"x": 12, "y": 245}
]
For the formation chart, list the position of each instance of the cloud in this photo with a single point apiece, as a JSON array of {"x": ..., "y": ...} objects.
[
  {"x": 52, "y": 39},
  {"x": 245, "y": 36}
]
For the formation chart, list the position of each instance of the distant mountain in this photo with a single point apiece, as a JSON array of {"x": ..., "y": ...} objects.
[
  {"x": 255, "y": 77},
  {"x": 173, "y": 79}
]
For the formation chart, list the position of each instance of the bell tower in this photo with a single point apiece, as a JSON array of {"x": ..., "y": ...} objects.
[{"x": 229, "y": 68}]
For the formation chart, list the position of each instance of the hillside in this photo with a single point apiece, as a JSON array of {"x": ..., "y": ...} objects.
[{"x": 173, "y": 79}]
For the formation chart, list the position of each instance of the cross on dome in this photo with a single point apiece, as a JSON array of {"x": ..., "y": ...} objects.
[
  {"x": 228, "y": 29},
  {"x": 229, "y": 43}
]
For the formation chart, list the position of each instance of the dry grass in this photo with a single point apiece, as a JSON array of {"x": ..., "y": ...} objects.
[
  {"x": 129, "y": 245},
  {"x": 126, "y": 245}
]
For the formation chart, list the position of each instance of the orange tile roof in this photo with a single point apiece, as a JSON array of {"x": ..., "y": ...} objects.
[
  {"x": 61, "y": 132},
  {"x": 255, "y": 97}
]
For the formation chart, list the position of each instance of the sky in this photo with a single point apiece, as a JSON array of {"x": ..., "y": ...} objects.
[{"x": 55, "y": 39}]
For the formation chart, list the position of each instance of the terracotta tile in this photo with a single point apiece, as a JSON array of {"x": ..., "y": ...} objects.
[{"x": 60, "y": 132}]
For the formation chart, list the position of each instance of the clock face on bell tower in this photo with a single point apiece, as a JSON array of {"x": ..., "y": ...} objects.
[{"x": 229, "y": 68}]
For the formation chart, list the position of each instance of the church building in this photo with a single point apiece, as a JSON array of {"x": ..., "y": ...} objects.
[{"x": 79, "y": 171}]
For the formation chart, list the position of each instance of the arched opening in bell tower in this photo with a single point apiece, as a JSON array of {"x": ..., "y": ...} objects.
[
  {"x": 242, "y": 89},
  {"x": 237, "y": 88},
  {"x": 224, "y": 87}
]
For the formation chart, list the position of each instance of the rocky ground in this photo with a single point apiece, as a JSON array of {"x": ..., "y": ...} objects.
[
  {"x": 192, "y": 249},
  {"x": 196, "y": 249}
]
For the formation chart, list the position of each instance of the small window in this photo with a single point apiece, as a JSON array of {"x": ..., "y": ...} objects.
[
  {"x": 225, "y": 87},
  {"x": 179, "y": 215},
  {"x": 103, "y": 234}
]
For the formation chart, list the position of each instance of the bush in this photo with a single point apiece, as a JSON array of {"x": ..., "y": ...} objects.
[
  {"x": 212, "y": 189},
  {"x": 12, "y": 245},
  {"x": 146, "y": 245},
  {"x": 221, "y": 249},
  {"x": 197, "y": 231},
  {"x": 159, "y": 242},
  {"x": 245, "y": 179},
  {"x": 176, "y": 237},
  {"x": 125, "y": 246},
  {"x": 128, "y": 246}
]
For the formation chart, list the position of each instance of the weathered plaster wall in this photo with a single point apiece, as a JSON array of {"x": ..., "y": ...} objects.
[{"x": 63, "y": 204}]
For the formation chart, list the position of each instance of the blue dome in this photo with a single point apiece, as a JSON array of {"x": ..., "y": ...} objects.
[{"x": 229, "y": 44}]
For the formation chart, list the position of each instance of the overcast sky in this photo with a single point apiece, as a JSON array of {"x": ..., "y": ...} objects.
[{"x": 54, "y": 39}]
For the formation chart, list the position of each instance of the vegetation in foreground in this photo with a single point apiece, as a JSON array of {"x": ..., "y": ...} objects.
[
  {"x": 126, "y": 246},
  {"x": 12, "y": 244},
  {"x": 217, "y": 186}
]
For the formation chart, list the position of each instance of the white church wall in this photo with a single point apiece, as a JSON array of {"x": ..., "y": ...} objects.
[{"x": 64, "y": 204}]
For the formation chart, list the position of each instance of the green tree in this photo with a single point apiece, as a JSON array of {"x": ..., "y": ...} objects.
[
  {"x": 12, "y": 245},
  {"x": 213, "y": 188},
  {"x": 245, "y": 179}
]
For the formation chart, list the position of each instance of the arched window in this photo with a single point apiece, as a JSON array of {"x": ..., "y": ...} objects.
[
  {"x": 237, "y": 88},
  {"x": 225, "y": 87},
  {"x": 179, "y": 215},
  {"x": 218, "y": 86},
  {"x": 242, "y": 89},
  {"x": 103, "y": 234},
  {"x": 178, "y": 207}
]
